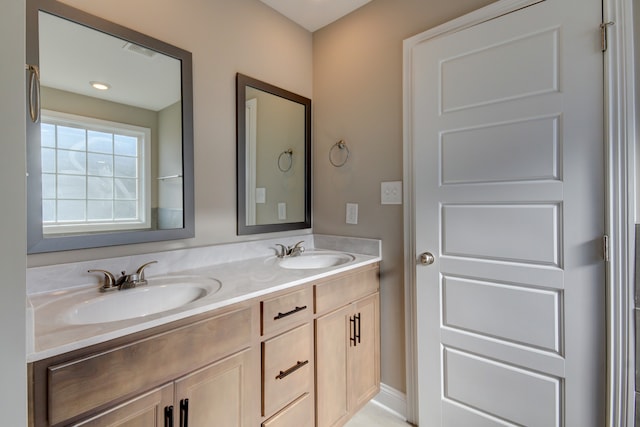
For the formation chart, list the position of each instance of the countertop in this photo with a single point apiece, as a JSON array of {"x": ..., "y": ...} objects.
[{"x": 241, "y": 281}]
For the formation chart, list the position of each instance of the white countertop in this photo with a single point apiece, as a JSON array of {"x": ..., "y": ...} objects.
[{"x": 241, "y": 280}]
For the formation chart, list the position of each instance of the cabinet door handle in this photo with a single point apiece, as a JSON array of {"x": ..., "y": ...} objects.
[
  {"x": 358, "y": 319},
  {"x": 184, "y": 413},
  {"x": 352, "y": 332},
  {"x": 168, "y": 416},
  {"x": 289, "y": 313},
  {"x": 291, "y": 370}
]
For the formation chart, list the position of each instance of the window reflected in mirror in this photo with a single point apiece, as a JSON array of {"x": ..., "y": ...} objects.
[{"x": 111, "y": 160}]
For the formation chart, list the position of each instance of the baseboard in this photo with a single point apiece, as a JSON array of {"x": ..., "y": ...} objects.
[{"x": 392, "y": 400}]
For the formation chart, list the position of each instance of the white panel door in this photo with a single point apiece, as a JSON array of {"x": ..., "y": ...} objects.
[{"x": 507, "y": 139}]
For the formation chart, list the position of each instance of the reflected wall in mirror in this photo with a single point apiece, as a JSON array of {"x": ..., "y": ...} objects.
[
  {"x": 274, "y": 158},
  {"x": 110, "y": 159}
]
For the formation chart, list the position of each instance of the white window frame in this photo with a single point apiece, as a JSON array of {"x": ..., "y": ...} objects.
[{"x": 144, "y": 167}]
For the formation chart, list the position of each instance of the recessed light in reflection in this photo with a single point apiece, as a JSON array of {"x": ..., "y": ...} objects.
[{"x": 100, "y": 85}]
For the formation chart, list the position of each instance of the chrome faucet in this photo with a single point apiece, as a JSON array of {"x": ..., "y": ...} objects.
[
  {"x": 125, "y": 281},
  {"x": 294, "y": 250}
]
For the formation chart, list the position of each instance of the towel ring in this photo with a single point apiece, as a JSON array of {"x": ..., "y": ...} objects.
[
  {"x": 341, "y": 145},
  {"x": 288, "y": 152}
]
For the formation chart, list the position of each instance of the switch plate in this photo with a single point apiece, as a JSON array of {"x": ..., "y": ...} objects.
[
  {"x": 282, "y": 210},
  {"x": 261, "y": 195},
  {"x": 352, "y": 213},
  {"x": 391, "y": 193}
]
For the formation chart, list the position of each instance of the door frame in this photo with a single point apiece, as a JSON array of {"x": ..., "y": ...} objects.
[{"x": 619, "y": 121}]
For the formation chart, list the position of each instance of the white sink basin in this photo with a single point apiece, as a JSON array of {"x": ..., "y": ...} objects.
[
  {"x": 310, "y": 260},
  {"x": 161, "y": 294}
]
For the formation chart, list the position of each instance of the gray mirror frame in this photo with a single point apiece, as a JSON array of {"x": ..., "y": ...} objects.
[
  {"x": 242, "y": 82},
  {"x": 36, "y": 242}
]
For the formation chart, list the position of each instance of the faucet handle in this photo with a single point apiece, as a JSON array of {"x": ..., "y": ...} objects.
[
  {"x": 109, "y": 280},
  {"x": 140, "y": 271},
  {"x": 283, "y": 251}
]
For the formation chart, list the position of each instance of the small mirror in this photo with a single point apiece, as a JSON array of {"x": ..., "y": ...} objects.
[
  {"x": 110, "y": 159},
  {"x": 274, "y": 158}
]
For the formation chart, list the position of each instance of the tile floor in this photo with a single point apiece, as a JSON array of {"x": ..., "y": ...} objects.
[{"x": 374, "y": 415}]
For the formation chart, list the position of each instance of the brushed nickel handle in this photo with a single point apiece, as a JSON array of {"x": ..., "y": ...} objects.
[
  {"x": 34, "y": 92},
  {"x": 427, "y": 258}
]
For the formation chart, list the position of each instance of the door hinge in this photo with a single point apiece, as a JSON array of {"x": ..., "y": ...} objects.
[
  {"x": 605, "y": 247},
  {"x": 603, "y": 35}
]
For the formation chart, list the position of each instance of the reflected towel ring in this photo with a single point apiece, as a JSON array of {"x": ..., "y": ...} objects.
[
  {"x": 341, "y": 145},
  {"x": 288, "y": 152}
]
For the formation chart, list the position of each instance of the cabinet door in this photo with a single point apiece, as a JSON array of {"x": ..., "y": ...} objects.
[
  {"x": 147, "y": 410},
  {"x": 332, "y": 345},
  {"x": 364, "y": 357},
  {"x": 221, "y": 394}
]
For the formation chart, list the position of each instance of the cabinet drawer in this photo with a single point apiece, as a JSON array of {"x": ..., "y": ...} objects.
[
  {"x": 338, "y": 291},
  {"x": 80, "y": 385},
  {"x": 283, "y": 312},
  {"x": 287, "y": 370},
  {"x": 298, "y": 414}
]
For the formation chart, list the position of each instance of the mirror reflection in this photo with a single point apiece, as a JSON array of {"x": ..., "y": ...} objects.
[
  {"x": 273, "y": 158},
  {"x": 111, "y": 157},
  {"x": 105, "y": 113}
]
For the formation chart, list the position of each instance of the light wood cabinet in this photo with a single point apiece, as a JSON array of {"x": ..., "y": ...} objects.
[
  {"x": 287, "y": 357},
  {"x": 147, "y": 410},
  {"x": 297, "y": 414},
  {"x": 304, "y": 357},
  {"x": 218, "y": 394},
  {"x": 109, "y": 381},
  {"x": 347, "y": 354}
]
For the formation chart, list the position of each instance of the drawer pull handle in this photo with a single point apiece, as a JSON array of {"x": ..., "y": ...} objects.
[
  {"x": 289, "y": 313},
  {"x": 291, "y": 370}
]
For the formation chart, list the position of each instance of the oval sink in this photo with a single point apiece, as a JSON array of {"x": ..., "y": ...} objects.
[
  {"x": 161, "y": 294},
  {"x": 310, "y": 260}
]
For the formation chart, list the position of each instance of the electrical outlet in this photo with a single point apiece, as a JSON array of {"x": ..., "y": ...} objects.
[
  {"x": 282, "y": 210},
  {"x": 391, "y": 193},
  {"x": 352, "y": 213}
]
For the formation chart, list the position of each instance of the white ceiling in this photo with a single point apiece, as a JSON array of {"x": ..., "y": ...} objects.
[
  {"x": 72, "y": 55},
  {"x": 315, "y": 14}
]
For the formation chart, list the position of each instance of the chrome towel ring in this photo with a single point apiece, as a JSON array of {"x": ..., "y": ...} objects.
[
  {"x": 285, "y": 153},
  {"x": 341, "y": 145}
]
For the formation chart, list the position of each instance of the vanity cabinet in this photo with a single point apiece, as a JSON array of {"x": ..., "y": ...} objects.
[
  {"x": 347, "y": 346},
  {"x": 210, "y": 362},
  {"x": 306, "y": 356}
]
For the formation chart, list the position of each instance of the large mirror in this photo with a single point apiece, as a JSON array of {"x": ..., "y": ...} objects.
[
  {"x": 110, "y": 133},
  {"x": 274, "y": 158}
]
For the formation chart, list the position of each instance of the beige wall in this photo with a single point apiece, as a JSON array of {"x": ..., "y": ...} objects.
[
  {"x": 357, "y": 90},
  {"x": 13, "y": 387},
  {"x": 225, "y": 37},
  {"x": 280, "y": 126}
]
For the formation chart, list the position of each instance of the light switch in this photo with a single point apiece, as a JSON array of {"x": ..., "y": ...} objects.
[
  {"x": 391, "y": 193},
  {"x": 282, "y": 210},
  {"x": 261, "y": 195},
  {"x": 352, "y": 213}
]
